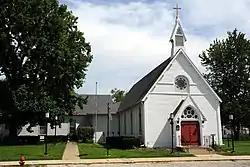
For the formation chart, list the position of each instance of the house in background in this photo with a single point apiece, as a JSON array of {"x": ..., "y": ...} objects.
[
  {"x": 176, "y": 88},
  {"x": 94, "y": 113}
]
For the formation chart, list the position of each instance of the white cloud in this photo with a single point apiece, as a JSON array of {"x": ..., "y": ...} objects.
[{"x": 130, "y": 39}]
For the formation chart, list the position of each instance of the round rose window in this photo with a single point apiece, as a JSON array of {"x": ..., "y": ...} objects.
[{"x": 181, "y": 83}]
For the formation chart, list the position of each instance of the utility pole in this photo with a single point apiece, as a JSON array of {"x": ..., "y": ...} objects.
[
  {"x": 108, "y": 121},
  {"x": 108, "y": 128}
]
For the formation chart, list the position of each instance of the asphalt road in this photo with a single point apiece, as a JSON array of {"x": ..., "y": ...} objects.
[{"x": 181, "y": 164}]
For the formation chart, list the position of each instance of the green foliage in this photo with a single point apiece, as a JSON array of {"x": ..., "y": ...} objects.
[
  {"x": 85, "y": 133},
  {"x": 244, "y": 137},
  {"x": 227, "y": 63},
  {"x": 222, "y": 149},
  {"x": 43, "y": 58},
  {"x": 122, "y": 142},
  {"x": 117, "y": 94},
  {"x": 56, "y": 139}
]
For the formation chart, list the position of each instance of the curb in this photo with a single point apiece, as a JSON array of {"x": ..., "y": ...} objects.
[{"x": 123, "y": 161}]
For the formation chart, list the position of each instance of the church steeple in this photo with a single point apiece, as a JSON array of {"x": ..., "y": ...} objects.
[{"x": 178, "y": 37}]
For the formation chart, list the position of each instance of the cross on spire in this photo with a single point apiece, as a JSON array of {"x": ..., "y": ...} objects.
[{"x": 177, "y": 11}]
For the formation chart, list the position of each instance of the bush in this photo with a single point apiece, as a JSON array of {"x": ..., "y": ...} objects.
[
  {"x": 244, "y": 137},
  {"x": 73, "y": 136},
  {"x": 28, "y": 139},
  {"x": 20, "y": 140},
  {"x": 122, "y": 142},
  {"x": 52, "y": 139},
  {"x": 85, "y": 134},
  {"x": 221, "y": 148}
]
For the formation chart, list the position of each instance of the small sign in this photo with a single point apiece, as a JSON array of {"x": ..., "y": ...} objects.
[{"x": 41, "y": 137}]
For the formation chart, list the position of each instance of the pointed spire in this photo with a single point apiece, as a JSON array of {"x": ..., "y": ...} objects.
[{"x": 178, "y": 37}]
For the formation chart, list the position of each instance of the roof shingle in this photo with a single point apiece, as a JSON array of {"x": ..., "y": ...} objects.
[
  {"x": 140, "y": 89},
  {"x": 102, "y": 101}
]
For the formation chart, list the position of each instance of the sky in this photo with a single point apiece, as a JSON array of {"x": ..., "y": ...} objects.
[{"x": 129, "y": 38}]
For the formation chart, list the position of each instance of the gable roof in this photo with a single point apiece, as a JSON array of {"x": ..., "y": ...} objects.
[
  {"x": 141, "y": 88},
  {"x": 196, "y": 69},
  {"x": 102, "y": 101}
]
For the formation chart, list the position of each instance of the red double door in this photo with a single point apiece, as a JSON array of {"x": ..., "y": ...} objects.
[{"x": 190, "y": 133}]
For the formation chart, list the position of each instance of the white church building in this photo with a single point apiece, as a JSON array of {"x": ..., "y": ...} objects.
[{"x": 174, "y": 87}]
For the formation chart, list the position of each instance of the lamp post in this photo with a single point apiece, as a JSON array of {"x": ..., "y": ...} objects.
[
  {"x": 172, "y": 130},
  {"x": 46, "y": 135},
  {"x": 56, "y": 118},
  {"x": 231, "y": 118}
]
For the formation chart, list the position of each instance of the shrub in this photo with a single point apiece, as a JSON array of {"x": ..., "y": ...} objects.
[
  {"x": 20, "y": 140},
  {"x": 52, "y": 139},
  {"x": 73, "y": 136},
  {"x": 28, "y": 139},
  {"x": 244, "y": 137},
  {"x": 122, "y": 142},
  {"x": 182, "y": 149},
  {"x": 221, "y": 148},
  {"x": 85, "y": 134}
]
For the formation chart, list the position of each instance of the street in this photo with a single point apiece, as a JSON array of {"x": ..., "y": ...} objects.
[{"x": 172, "y": 164}]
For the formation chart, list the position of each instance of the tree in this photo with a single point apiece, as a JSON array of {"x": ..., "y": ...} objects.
[
  {"x": 117, "y": 94},
  {"x": 43, "y": 57},
  {"x": 227, "y": 63}
]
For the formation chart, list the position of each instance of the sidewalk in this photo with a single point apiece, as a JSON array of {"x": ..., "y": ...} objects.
[
  {"x": 128, "y": 160},
  {"x": 71, "y": 151}
]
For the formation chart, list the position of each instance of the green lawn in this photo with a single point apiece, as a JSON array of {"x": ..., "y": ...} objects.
[
  {"x": 31, "y": 152},
  {"x": 96, "y": 151},
  {"x": 241, "y": 148}
]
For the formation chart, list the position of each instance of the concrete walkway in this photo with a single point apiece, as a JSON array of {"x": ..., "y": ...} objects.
[
  {"x": 71, "y": 151},
  {"x": 129, "y": 160},
  {"x": 200, "y": 151}
]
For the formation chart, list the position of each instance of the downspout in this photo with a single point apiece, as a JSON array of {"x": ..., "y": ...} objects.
[
  {"x": 218, "y": 124},
  {"x": 144, "y": 122}
]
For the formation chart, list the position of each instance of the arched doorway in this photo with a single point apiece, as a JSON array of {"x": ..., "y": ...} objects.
[{"x": 190, "y": 127}]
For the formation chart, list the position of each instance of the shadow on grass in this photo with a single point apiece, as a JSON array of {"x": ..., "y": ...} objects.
[
  {"x": 96, "y": 151},
  {"x": 80, "y": 155}
]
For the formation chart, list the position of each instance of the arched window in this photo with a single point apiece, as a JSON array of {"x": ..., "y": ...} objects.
[{"x": 189, "y": 113}]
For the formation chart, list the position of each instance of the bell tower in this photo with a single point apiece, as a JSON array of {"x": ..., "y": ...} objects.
[{"x": 178, "y": 37}]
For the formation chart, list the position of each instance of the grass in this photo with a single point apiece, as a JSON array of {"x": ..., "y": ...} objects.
[
  {"x": 241, "y": 148},
  {"x": 96, "y": 151},
  {"x": 31, "y": 152}
]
